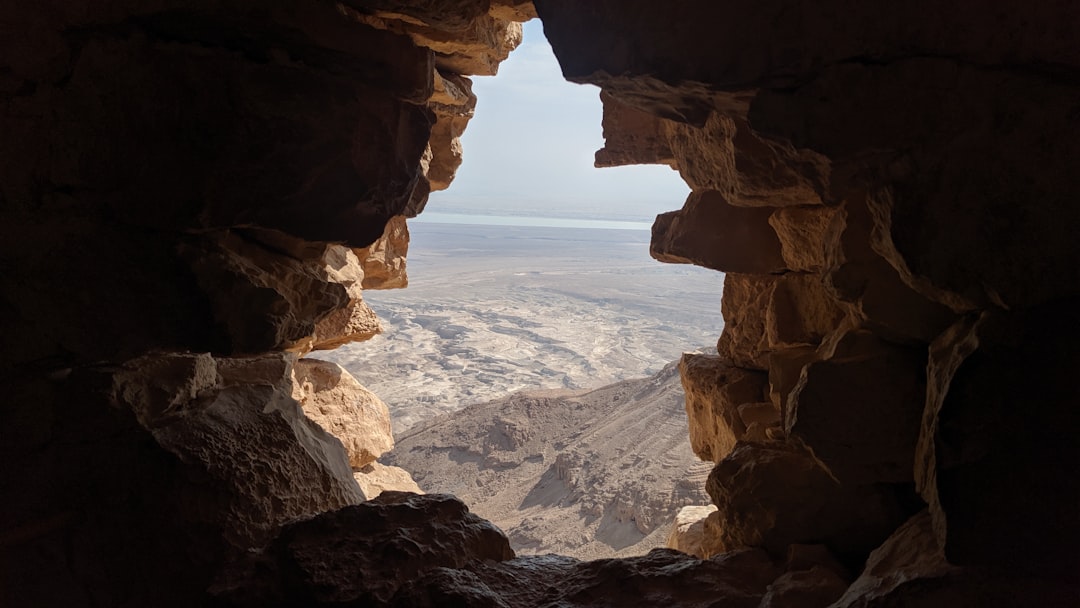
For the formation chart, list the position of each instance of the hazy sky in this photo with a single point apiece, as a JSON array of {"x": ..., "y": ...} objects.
[{"x": 529, "y": 149}]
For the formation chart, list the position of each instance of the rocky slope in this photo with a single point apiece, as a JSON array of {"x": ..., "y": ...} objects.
[{"x": 587, "y": 474}]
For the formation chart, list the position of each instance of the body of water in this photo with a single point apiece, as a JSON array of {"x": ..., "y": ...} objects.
[{"x": 435, "y": 217}]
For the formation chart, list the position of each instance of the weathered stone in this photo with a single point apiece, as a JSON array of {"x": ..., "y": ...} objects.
[
  {"x": 195, "y": 407},
  {"x": 714, "y": 391},
  {"x": 859, "y": 409},
  {"x": 801, "y": 311},
  {"x": 725, "y": 155},
  {"x": 384, "y": 260},
  {"x": 872, "y": 289},
  {"x": 334, "y": 400},
  {"x": 662, "y": 577},
  {"x": 688, "y": 530},
  {"x": 475, "y": 45},
  {"x": 632, "y": 136},
  {"x": 242, "y": 275},
  {"x": 803, "y": 231},
  {"x": 785, "y": 369},
  {"x": 375, "y": 478},
  {"x": 758, "y": 418},
  {"x": 363, "y": 554},
  {"x": 711, "y": 232},
  {"x": 453, "y": 104},
  {"x": 774, "y": 494},
  {"x": 745, "y": 306}
]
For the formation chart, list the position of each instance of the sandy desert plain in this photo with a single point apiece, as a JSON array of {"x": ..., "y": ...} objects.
[{"x": 495, "y": 309}]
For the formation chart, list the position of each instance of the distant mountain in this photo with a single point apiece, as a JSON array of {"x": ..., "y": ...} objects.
[{"x": 590, "y": 474}]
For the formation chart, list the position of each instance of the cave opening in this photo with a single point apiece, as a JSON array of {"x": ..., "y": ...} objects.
[
  {"x": 530, "y": 281},
  {"x": 194, "y": 195}
]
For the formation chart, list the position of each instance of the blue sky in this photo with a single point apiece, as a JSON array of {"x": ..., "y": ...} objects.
[{"x": 529, "y": 149}]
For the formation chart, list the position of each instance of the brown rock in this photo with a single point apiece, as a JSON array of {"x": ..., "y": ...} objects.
[
  {"x": 662, "y": 577},
  {"x": 376, "y": 478},
  {"x": 334, "y": 400},
  {"x": 710, "y": 232},
  {"x": 688, "y": 530},
  {"x": 384, "y": 260},
  {"x": 785, "y": 369},
  {"x": 473, "y": 42},
  {"x": 859, "y": 409},
  {"x": 803, "y": 232},
  {"x": 196, "y": 406},
  {"x": 453, "y": 104},
  {"x": 817, "y": 587},
  {"x": 714, "y": 391},
  {"x": 745, "y": 306},
  {"x": 363, "y": 554},
  {"x": 632, "y": 136},
  {"x": 801, "y": 311},
  {"x": 725, "y": 155},
  {"x": 242, "y": 275},
  {"x": 774, "y": 494},
  {"x": 876, "y": 295}
]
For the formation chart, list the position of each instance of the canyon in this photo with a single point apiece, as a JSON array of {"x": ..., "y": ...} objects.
[{"x": 196, "y": 197}]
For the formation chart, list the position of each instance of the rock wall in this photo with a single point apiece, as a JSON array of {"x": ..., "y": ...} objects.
[
  {"x": 888, "y": 190},
  {"x": 888, "y": 186},
  {"x": 194, "y": 194}
]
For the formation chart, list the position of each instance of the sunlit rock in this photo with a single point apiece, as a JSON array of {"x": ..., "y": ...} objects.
[
  {"x": 715, "y": 390},
  {"x": 334, "y": 400},
  {"x": 375, "y": 478},
  {"x": 195, "y": 406},
  {"x": 708, "y": 231},
  {"x": 688, "y": 530}
]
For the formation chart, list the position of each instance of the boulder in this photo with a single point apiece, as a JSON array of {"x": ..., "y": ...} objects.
[
  {"x": 688, "y": 530},
  {"x": 375, "y": 478},
  {"x": 715, "y": 390},
  {"x": 334, "y": 400},
  {"x": 709, "y": 231}
]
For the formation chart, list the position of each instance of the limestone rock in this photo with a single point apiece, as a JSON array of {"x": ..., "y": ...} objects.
[
  {"x": 768, "y": 313},
  {"x": 376, "y": 478},
  {"x": 725, "y": 155},
  {"x": 715, "y": 390},
  {"x": 334, "y": 400},
  {"x": 383, "y": 261},
  {"x": 860, "y": 409},
  {"x": 803, "y": 232},
  {"x": 471, "y": 41},
  {"x": 708, "y": 231},
  {"x": 632, "y": 136},
  {"x": 688, "y": 530},
  {"x": 243, "y": 275},
  {"x": 801, "y": 311},
  {"x": 662, "y": 577},
  {"x": 774, "y": 494},
  {"x": 745, "y": 304},
  {"x": 453, "y": 104},
  {"x": 196, "y": 406},
  {"x": 363, "y": 554}
]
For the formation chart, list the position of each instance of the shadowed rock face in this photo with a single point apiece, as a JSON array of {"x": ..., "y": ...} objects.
[{"x": 890, "y": 186}]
